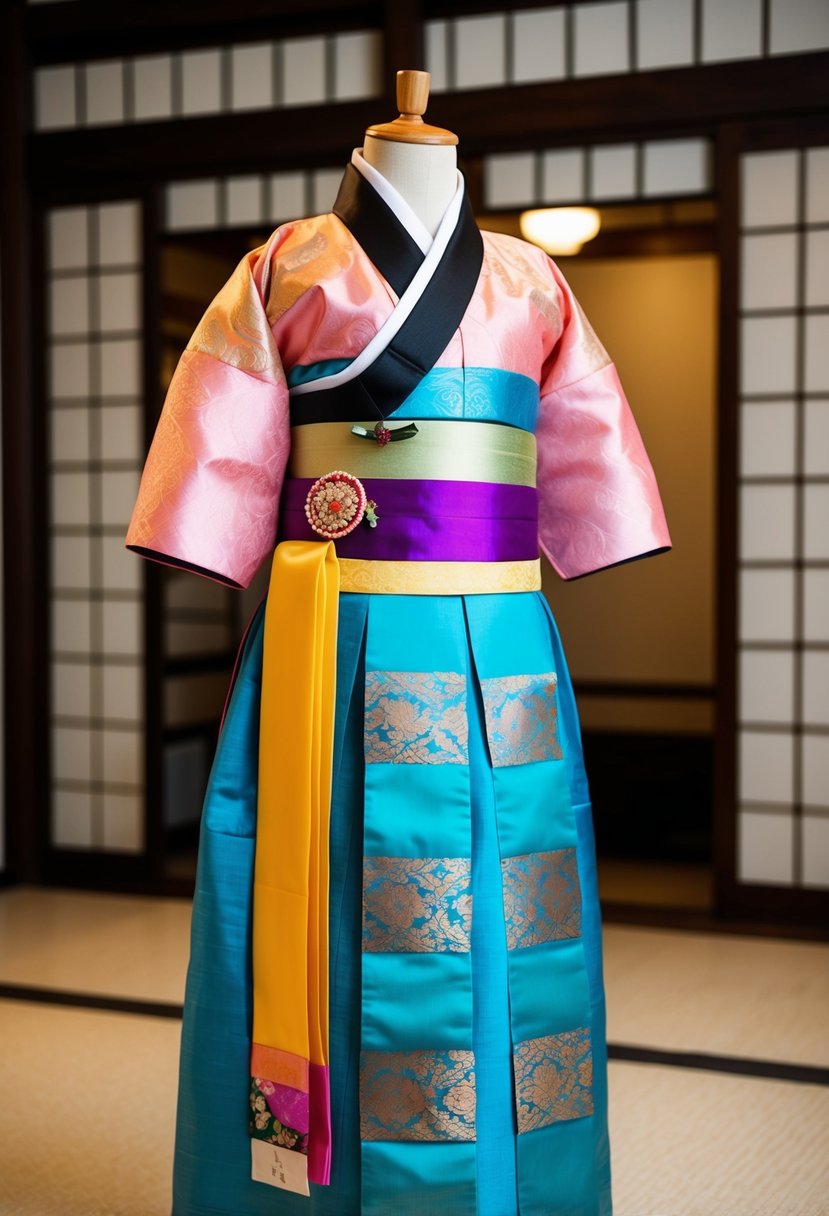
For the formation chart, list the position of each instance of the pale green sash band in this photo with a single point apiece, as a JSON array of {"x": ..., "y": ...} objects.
[{"x": 442, "y": 450}]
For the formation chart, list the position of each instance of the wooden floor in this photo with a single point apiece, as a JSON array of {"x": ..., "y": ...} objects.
[{"x": 719, "y": 1077}]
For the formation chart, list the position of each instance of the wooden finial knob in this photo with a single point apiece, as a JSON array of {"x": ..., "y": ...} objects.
[
  {"x": 409, "y": 128},
  {"x": 413, "y": 92}
]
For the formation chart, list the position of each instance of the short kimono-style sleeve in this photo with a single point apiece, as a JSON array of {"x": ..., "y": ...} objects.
[
  {"x": 599, "y": 503},
  {"x": 209, "y": 492}
]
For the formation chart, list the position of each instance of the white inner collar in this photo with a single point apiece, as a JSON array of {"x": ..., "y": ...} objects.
[{"x": 392, "y": 197}]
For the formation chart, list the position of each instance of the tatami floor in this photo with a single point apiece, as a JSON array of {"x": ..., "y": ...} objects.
[{"x": 719, "y": 1079}]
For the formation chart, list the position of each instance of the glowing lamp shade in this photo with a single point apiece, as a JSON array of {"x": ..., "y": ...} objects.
[{"x": 560, "y": 229}]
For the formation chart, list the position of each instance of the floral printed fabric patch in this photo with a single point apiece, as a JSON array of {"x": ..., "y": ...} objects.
[
  {"x": 417, "y": 905},
  {"x": 416, "y": 717},
  {"x": 263, "y": 1124},
  {"x": 417, "y": 1095},
  {"x": 521, "y": 719},
  {"x": 553, "y": 1079},
  {"x": 542, "y": 897}
]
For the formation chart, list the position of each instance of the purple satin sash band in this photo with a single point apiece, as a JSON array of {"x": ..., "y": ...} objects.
[{"x": 439, "y": 521}]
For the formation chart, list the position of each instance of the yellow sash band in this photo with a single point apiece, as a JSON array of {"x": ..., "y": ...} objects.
[
  {"x": 442, "y": 450},
  {"x": 438, "y": 578},
  {"x": 290, "y": 901}
]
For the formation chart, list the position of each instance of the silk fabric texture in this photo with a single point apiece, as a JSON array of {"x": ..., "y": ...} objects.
[{"x": 487, "y": 1093}]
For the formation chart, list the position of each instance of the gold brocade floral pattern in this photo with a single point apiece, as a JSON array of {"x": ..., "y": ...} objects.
[
  {"x": 553, "y": 1078},
  {"x": 542, "y": 897},
  {"x": 416, "y": 717},
  {"x": 417, "y": 1095},
  {"x": 521, "y": 718},
  {"x": 417, "y": 904}
]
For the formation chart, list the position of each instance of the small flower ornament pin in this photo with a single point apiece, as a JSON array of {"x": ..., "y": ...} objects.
[{"x": 337, "y": 503}]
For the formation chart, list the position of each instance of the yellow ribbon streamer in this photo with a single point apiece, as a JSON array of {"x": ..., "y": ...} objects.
[{"x": 290, "y": 900}]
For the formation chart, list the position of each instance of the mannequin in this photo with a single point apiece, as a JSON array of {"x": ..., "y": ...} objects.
[{"x": 419, "y": 160}]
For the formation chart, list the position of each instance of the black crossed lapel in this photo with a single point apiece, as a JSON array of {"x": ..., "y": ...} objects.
[{"x": 424, "y": 335}]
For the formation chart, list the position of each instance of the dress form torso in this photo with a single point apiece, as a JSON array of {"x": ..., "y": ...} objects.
[{"x": 424, "y": 174}]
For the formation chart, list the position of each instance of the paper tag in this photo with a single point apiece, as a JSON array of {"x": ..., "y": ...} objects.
[{"x": 279, "y": 1167}]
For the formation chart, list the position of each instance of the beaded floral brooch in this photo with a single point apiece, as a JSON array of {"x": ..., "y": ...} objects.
[{"x": 337, "y": 503}]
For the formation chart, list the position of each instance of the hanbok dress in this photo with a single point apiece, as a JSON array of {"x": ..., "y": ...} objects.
[{"x": 417, "y": 1024}]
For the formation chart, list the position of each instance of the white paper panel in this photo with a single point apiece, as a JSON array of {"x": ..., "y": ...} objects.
[
  {"x": 121, "y": 432},
  {"x": 71, "y": 689},
  {"x": 55, "y": 98},
  {"x": 664, "y": 33},
  {"x": 731, "y": 29},
  {"x": 119, "y": 234},
  {"x": 324, "y": 186},
  {"x": 676, "y": 166},
  {"x": 69, "y": 498},
  {"x": 817, "y": 185},
  {"x": 119, "y": 489},
  {"x": 766, "y": 686},
  {"x": 123, "y": 819},
  {"x": 798, "y": 25},
  {"x": 120, "y": 301},
  {"x": 201, "y": 81},
  {"x": 817, "y": 268},
  {"x": 562, "y": 176},
  {"x": 816, "y": 370},
  {"x": 600, "y": 33},
  {"x": 767, "y": 522},
  {"x": 181, "y": 590},
  {"x": 68, "y": 237},
  {"x": 69, "y": 369},
  {"x": 480, "y": 51},
  {"x": 509, "y": 179},
  {"x": 538, "y": 45},
  {"x": 765, "y": 766},
  {"x": 434, "y": 35},
  {"x": 121, "y": 568},
  {"x": 816, "y": 605},
  {"x": 767, "y": 439},
  {"x": 122, "y": 755},
  {"x": 192, "y": 205},
  {"x": 244, "y": 200},
  {"x": 816, "y": 456},
  {"x": 70, "y": 753},
  {"x": 122, "y": 628},
  {"x": 815, "y": 764},
  {"x": 120, "y": 367},
  {"x": 303, "y": 62},
  {"x": 358, "y": 64},
  {"x": 123, "y": 691},
  {"x": 69, "y": 305},
  {"x": 70, "y": 626},
  {"x": 816, "y": 690},
  {"x": 288, "y": 196},
  {"x": 767, "y": 605},
  {"x": 69, "y": 433},
  {"x": 104, "y": 92},
  {"x": 765, "y": 848},
  {"x": 70, "y": 562},
  {"x": 767, "y": 354},
  {"x": 613, "y": 171},
  {"x": 816, "y": 522},
  {"x": 152, "y": 77},
  {"x": 815, "y": 850},
  {"x": 769, "y": 188},
  {"x": 71, "y": 825},
  {"x": 768, "y": 266},
  {"x": 251, "y": 75}
]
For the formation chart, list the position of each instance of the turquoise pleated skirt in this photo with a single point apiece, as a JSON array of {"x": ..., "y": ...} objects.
[{"x": 524, "y": 998}]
